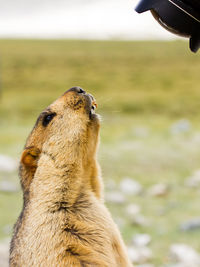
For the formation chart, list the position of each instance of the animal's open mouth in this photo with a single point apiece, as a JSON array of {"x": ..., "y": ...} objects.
[{"x": 93, "y": 108}]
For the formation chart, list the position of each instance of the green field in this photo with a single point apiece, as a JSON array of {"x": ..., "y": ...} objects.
[{"x": 145, "y": 92}]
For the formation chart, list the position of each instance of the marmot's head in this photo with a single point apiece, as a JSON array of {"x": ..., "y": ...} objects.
[{"x": 66, "y": 131}]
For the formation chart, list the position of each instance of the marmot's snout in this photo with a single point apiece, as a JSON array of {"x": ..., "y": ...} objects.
[
  {"x": 77, "y": 98},
  {"x": 77, "y": 89}
]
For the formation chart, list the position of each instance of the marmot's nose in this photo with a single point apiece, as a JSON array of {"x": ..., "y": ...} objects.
[{"x": 77, "y": 89}]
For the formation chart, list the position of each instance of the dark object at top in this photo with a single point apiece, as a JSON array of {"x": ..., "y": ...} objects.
[{"x": 181, "y": 17}]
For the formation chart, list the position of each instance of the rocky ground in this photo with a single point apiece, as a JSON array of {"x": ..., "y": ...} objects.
[{"x": 179, "y": 254}]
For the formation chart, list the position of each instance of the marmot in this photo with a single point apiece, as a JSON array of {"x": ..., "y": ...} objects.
[{"x": 64, "y": 221}]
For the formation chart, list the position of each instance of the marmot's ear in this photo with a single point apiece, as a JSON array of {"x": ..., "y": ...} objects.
[{"x": 30, "y": 156}]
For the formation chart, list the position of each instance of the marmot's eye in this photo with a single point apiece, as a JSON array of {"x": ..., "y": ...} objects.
[{"x": 47, "y": 118}]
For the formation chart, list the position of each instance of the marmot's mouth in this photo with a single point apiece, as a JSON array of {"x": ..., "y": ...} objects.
[{"x": 93, "y": 107}]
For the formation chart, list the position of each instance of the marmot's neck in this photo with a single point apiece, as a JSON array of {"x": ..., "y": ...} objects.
[{"x": 64, "y": 182}]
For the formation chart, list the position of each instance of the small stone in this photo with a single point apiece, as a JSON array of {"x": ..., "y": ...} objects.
[
  {"x": 110, "y": 185},
  {"x": 8, "y": 187},
  {"x": 190, "y": 225},
  {"x": 120, "y": 222},
  {"x": 130, "y": 186},
  {"x": 194, "y": 180},
  {"x": 132, "y": 210},
  {"x": 181, "y": 126},
  {"x": 115, "y": 197},
  {"x": 141, "y": 240},
  {"x": 184, "y": 254},
  {"x": 140, "y": 220},
  {"x": 139, "y": 255},
  {"x": 133, "y": 254},
  {"x": 159, "y": 190},
  {"x": 7, "y": 229},
  {"x": 7, "y": 164},
  {"x": 141, "y": 132}
]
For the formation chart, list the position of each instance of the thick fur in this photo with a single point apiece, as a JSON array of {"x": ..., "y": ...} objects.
[{"x": 64, "y": 221}]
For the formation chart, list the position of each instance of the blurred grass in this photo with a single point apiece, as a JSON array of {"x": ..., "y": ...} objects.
[{"x": 142, "y": 89}]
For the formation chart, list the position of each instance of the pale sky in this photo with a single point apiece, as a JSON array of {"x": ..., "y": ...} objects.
[{"x": 88, "y": 19}]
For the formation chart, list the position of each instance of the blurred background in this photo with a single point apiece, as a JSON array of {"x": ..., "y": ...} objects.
[{"x": 146, "y": 82}]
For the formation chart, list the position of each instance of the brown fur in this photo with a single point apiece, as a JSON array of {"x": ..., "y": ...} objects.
[{"x": 64, "y": 221}]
